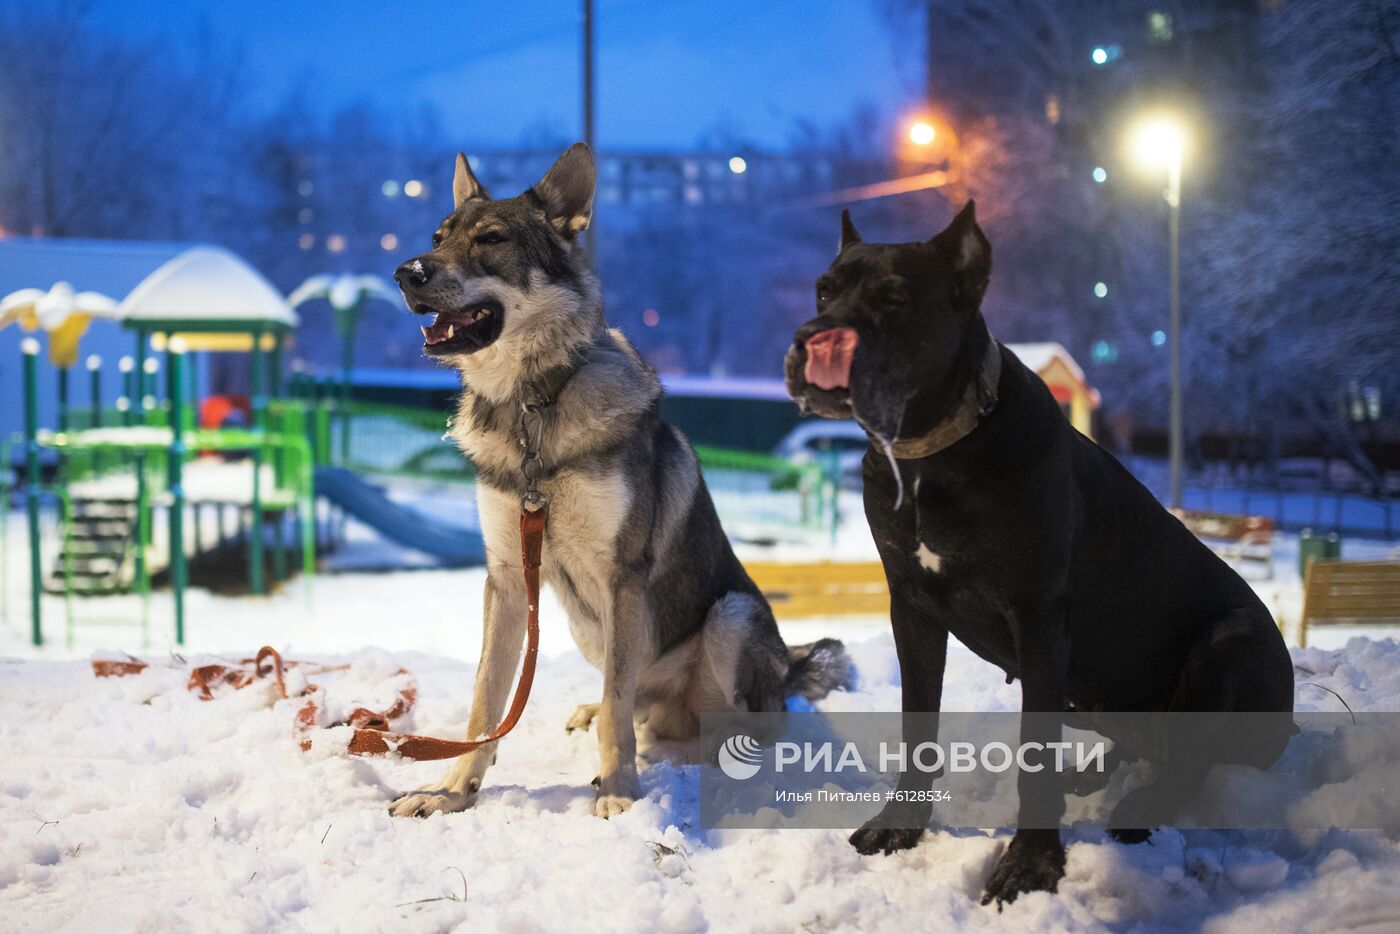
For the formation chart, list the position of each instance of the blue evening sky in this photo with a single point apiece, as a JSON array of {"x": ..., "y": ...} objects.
[{"x": 670, "y": 73}]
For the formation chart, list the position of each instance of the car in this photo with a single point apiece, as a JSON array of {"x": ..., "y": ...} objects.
[{"x": 840, "y": 444}]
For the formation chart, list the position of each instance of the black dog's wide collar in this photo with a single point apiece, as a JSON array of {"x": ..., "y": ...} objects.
[{"x": 979, "y": 398}]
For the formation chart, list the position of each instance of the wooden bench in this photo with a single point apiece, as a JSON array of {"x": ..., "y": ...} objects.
[
  {"x": 825, "y": 588},
  {"x": 1350, "y": 593},
  {"x": 1235, "y": 538}
]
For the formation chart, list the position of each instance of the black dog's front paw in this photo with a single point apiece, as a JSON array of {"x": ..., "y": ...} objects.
[
  {"x": 1034, "y": 862},
  {"x": 896, "y": 827},
  {"x": 1129, "y": 835},
  {"x": 1140, "y": 809}
]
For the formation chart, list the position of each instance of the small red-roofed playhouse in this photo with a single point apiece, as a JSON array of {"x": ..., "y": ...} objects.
[{"x": 1052, "y": 363}]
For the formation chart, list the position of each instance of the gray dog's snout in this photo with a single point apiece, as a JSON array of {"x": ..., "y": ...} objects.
[{"x": 415, "y": 273}]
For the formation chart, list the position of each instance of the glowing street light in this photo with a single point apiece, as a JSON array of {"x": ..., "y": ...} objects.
[
  {"x": 922, "y": 133},
  {"x": 1159, "y": 141},
  {"x": 738, "y": 165}
]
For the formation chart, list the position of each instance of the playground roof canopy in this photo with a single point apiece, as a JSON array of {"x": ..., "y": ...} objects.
[
  {"x": 206, "y": 288},
  {"x": 163, "y": 286}
]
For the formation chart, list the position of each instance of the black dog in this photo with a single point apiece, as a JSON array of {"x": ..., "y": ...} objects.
[{"x": 999, "y": 523}]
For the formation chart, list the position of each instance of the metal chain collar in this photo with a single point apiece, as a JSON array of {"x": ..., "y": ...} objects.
[
  {"x": 539, "y": 396},
  {"x": 531, "y": 438}
]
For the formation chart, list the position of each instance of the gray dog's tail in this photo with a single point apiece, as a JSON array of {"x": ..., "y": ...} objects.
[{"x": 817, "y": 669}]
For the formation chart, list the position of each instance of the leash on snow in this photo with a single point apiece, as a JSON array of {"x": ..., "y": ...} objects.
[{"x": 372, "y": 736}]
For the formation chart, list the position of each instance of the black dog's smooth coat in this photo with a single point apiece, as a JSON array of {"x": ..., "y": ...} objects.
[{"x": 1026, "y": 541}]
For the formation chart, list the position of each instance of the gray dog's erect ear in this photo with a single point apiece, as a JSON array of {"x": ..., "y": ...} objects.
[
  {"x": 465, "y": 187},
  {"x": 963, "y": 242},
  {"x": 566, "y": 191},
  {"x": 849, "y": 234}
]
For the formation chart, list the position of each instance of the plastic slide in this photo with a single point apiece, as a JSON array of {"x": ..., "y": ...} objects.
[{"x": 450, "y": 544}]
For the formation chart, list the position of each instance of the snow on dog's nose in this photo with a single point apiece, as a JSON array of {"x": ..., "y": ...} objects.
[{"x": 829, "y": 355}]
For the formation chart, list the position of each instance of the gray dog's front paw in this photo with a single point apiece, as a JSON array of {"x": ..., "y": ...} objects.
[
  {"x": 582, "y": 718},
  {"x": 616, "y": 793},
  {"x": 435, "y": 799}
]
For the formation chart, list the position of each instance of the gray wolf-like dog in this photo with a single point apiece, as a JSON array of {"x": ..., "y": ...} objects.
[{"x": 655, "y": 597}]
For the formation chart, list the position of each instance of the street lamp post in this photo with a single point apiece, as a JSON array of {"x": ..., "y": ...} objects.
[
  {"x": 1159, "y": 142},
  {"x": 1174, "y": 444}
]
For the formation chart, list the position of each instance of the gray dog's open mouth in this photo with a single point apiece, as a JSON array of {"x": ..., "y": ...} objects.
[{"x": 464, "y": 330}]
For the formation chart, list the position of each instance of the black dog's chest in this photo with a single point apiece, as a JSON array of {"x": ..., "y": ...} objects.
[{"x": 950, "y": 574}]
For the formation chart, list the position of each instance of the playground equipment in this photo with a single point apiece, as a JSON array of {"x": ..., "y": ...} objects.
[
  {"x": 450, "y": 544},
  {"x": 65, "y": 315},
  {"x": 116, "y": 471},
  {"x": 113, "y": 481},
  {"x": 142, "y": 493},
  {"x": 347, "y": 295}
]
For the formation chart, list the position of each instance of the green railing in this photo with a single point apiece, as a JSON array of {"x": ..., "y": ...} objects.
[
  {"x": 751, "y": 491},
  {"x": 142, "y": 454}
]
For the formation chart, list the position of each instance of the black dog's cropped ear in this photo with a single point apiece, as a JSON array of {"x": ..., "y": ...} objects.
[
  {"x": 963, "y": 242},
  {"x": 465, "y": 187},
  {"x": 566, "y": 191},
  {"x": 849, "y": 234}
]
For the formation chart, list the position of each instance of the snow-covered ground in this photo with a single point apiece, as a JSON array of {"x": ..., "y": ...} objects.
[{"x": 128, "y": 804}]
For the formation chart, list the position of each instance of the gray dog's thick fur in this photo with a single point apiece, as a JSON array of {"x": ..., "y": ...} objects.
[{"x": 656, "y": 598}]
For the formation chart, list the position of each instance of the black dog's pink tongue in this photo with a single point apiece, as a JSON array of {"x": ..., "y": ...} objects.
[{"x": 829, "y": 355}]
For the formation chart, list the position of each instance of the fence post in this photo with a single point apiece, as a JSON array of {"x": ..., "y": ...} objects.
[
  {"x": 174, "y": 383},
  {"x": 255, "y": 533},
  {"x": 30, "y": 349},
  {"x": 128, "y": 398},
  {"x": 62, "y": 398},
  {"x": 94, "y": 368}
]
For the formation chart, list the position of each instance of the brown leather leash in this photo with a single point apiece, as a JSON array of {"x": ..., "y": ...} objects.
[
  {"x": 373, "y": 742},
  {"x": 372, "y": 736}
]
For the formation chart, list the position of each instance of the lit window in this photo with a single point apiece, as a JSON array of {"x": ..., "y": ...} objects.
[{"x": 1159, "y": 27}]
